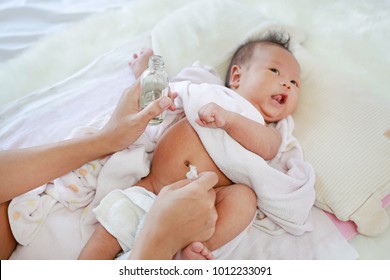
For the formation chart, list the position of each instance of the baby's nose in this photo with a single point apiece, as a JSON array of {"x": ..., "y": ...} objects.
[{"x": 285, "y": 84}]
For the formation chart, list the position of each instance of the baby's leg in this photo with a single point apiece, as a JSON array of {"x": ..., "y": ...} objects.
[
  {"x": 236, "y": 207},
  {"x": 7, "y": 239},
  {"x": 101, "y": 246},
  {"x": 140, "y": 62}
]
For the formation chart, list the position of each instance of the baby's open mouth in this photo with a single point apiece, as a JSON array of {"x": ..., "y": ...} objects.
[{"x": 280, "y": 98}]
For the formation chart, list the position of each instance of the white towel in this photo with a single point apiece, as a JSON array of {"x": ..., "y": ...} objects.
[{"x": 284, "y": 186}]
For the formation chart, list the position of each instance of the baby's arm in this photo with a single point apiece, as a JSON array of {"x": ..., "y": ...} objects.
[
  {"x": 259, "y": 139},
  {"x": 101, "y": 246}
]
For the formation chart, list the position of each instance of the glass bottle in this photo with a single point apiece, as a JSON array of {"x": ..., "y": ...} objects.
[{"x": 154, "y": 84}]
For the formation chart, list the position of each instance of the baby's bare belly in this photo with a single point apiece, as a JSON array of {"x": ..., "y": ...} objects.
[{"x": 179, "y": 147}]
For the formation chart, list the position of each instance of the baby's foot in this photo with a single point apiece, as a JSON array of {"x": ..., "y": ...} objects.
[
  {"x": 140, "y": 62},
  {"x": 194, "y": 251}
]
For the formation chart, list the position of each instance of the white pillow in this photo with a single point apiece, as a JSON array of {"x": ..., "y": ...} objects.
[
  {"x": 344, "y": 131},
  {"x": 341, "y": 127}
]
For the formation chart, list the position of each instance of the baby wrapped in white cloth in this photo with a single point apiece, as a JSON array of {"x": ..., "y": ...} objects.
[{"x": 284, "y": 185}]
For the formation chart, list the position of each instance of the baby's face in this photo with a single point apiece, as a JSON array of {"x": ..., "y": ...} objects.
[{"x": 270, "y": 81}]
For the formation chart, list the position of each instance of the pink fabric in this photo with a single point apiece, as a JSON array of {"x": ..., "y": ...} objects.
[{"x": 348, "y": 229}]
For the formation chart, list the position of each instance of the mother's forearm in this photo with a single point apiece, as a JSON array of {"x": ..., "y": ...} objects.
[{"x": 25, "y": 169}]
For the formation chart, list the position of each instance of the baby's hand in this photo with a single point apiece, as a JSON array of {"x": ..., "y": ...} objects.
[
  {"x": 172, "y": 95},
  {"x": 212, "y": 115}
]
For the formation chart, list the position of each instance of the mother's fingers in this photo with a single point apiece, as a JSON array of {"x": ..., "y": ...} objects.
[{"x": 206, "y": 181}]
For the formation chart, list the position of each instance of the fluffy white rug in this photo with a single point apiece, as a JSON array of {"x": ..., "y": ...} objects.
[{"x": 353, "y": 35}]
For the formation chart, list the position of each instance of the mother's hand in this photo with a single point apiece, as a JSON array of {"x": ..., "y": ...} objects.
[
  {"x": 184, "y": 212},
  {"x": 127, "y": 122}
]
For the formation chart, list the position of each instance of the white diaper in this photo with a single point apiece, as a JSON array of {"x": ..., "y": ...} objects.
[{"x": 122, "y": 213}]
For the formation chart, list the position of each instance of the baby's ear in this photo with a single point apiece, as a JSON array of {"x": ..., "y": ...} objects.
[{"x": 235, "y": 75}]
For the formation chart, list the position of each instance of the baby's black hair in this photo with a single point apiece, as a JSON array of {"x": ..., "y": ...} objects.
[{"x": 244, "y": 53}]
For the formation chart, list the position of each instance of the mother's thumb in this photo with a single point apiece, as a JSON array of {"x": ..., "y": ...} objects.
[{"x": 155, "y": 108}]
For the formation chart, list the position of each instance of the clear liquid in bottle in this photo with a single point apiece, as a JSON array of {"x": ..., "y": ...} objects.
[{"x": 154, "y": 84}]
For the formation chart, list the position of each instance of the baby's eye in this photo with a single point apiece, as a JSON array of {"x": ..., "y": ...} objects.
[
  {"x": 295, "y": 83},
  {"x": 276, "y": 71}
]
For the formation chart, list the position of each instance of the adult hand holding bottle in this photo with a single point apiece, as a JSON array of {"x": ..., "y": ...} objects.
[{"x": 44, "y": 163}]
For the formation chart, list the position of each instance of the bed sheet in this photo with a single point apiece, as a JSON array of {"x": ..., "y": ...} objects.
[
  {"x": 24, "y": 22},
  {"x": 15, "y": 114}
]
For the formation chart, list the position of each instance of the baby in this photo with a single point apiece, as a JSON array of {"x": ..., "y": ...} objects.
[{"x": 266, "y": 74}]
